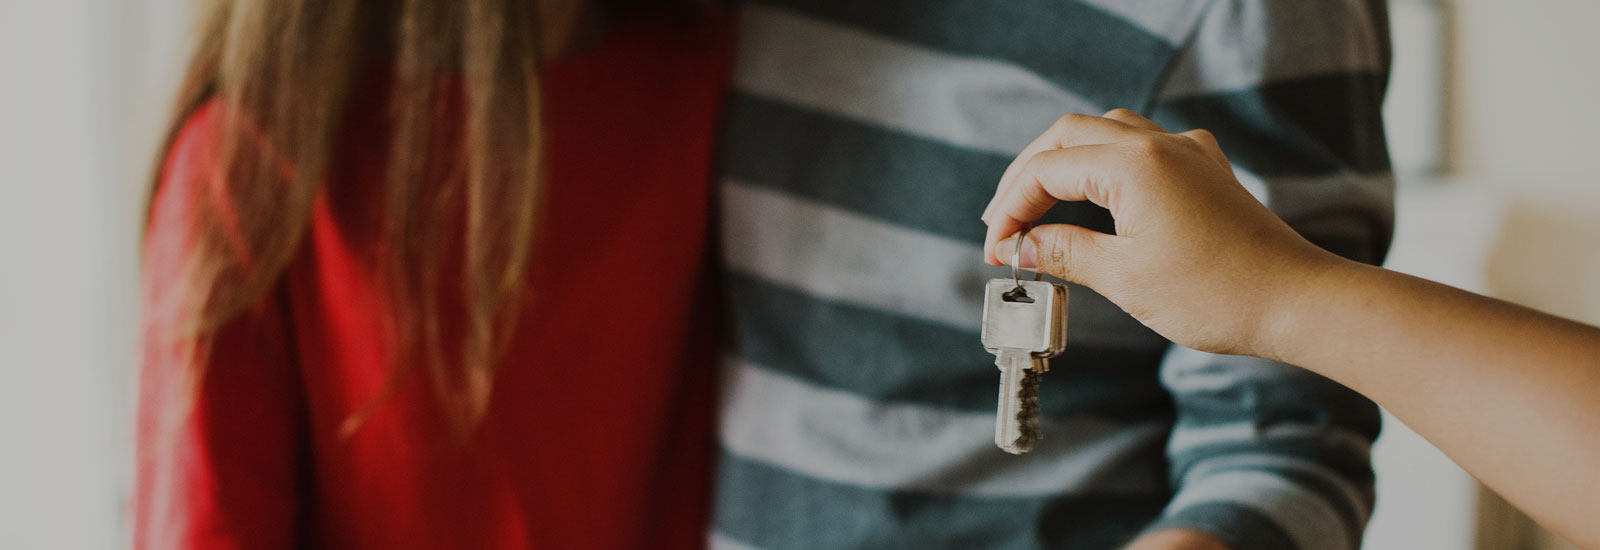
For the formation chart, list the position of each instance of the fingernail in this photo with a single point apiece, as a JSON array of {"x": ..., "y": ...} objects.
[{"x": 1028, "y": 259}]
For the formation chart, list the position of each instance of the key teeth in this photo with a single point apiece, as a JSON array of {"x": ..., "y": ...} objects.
[{"x": 1028, "y": 432}]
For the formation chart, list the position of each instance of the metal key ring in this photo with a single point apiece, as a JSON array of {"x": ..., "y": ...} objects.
[{"x": 1016, "y": 258}]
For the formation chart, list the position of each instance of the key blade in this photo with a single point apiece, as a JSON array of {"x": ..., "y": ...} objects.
[
  {"x": 1016, "y": 418},
  {"x": 1006, "y": 430},
  {"x": 1028, "y": 431}
]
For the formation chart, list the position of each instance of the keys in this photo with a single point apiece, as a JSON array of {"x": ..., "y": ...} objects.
[{"x": 1024, "y": 325}]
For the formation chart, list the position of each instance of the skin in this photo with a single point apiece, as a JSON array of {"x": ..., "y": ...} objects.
[{"x": 1509, "y": 393}]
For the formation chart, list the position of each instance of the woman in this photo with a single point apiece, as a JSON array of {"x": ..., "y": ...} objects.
[
  {"x": 386, "y": 289},
  {"x": 1513, "y": 395}
]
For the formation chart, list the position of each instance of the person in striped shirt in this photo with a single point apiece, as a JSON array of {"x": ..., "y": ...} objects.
[{"x": 860, "y": 141}]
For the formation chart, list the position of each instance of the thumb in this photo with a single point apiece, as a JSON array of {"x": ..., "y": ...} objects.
[{"x": 1066, "y": 251}]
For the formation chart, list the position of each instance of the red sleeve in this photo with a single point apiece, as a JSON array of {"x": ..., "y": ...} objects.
[{"x": 219, "y": 463}]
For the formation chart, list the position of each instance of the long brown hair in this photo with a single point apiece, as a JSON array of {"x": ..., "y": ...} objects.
[{"x": 285, "y": 70}]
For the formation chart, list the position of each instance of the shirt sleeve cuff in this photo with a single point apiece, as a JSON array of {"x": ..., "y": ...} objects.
[
  {"x": 1259, "y": 510},
  {"x": 1237, "y": 526}
]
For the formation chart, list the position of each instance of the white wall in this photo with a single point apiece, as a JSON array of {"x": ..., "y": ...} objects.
[
  {"x": 1526, "y": 115},
  {"x": 1517, "y": 217},
  {"x": 59, "y": 463},
  {"x": 83, "y": 95}
]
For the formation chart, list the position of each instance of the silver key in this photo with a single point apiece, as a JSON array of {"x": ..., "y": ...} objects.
[{"x": 1024, "y": 325}]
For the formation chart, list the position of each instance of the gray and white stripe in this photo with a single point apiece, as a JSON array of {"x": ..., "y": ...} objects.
[
  {"x": 1306, "y": 200},
  {"x": 840, "y": 437},
  {"x": 1188, "y": 371},
  {"x": 1187, "y": 439},
  {"x": 997, "y": 107},
  {"x": 719, "y": 541},
  {"x": 1348, "y": 493},
  {"x": 1241, "y": 45},
  {"x": 984, "y": 104},
  {"x": 1309, "y": 520},
  {"x": 834, "y": 254},
  {"x": 1172, "y": 20}
]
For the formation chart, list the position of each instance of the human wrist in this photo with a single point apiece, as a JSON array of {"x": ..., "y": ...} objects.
[{"x": 1295, "y": 300}]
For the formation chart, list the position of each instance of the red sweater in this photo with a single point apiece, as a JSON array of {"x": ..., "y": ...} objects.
[{"x": 599, "y": 430}]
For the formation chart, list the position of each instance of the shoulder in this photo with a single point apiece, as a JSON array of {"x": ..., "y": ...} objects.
[
  {"x": 190, "y": 184},
  {"x": 191, "y": 155},
  {"x": 193, "y": 160},
  {"x": 173, "y": 216},
  {"x": 214, "y": 156},
  {"x": 187, "y": 167},
  {"x": 194, "y": 208}
]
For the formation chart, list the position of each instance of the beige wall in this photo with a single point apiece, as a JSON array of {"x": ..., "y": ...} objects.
[{"x": 1524, "y": 120}]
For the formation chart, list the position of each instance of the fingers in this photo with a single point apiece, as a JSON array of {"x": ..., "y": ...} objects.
[
  {"x": 1068, "y": 131},
  {"x": 1074, "y": 161},
  {"x": 1074, "y": 174},
  {"x": 1067, "y": 251}
]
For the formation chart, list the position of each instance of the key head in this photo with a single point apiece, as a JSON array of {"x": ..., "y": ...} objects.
[{"x": 1034, "y": 320}]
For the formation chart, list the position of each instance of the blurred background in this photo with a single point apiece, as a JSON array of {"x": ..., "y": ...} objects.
[{"x": 1492, "y": 119}]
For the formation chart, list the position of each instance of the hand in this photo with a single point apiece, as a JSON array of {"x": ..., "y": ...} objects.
[
  {"x": 1195, "y": 257},
  {"x": 1177, "y": 539}
]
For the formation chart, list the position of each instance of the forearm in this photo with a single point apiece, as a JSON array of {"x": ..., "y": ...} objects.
[{"x": 1513, "y": 395}]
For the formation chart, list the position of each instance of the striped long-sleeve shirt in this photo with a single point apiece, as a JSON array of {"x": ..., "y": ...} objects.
[{"x": 863, "y": 139}]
